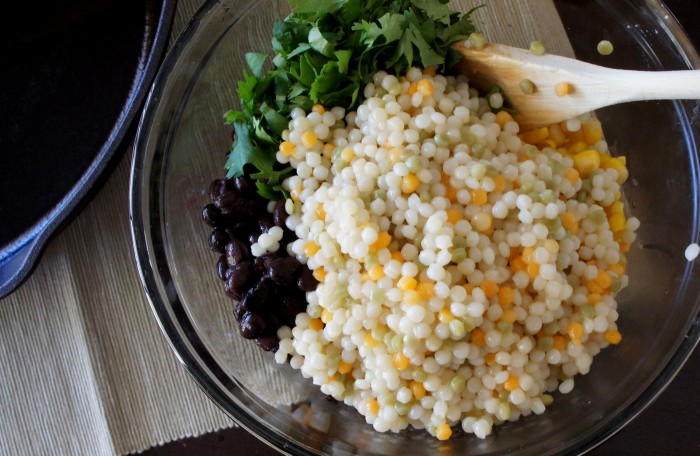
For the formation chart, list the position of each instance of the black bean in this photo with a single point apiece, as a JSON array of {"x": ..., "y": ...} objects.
[
  {"x": 252, "y": 325},
  {"x": 268, "y": 343},
  {"x": 229, "y": 201},
  {"x": 238, "y": 279},
  {"x": 211, "y": 215},
  {"x": 265, "y": 223},
  {"x": 282, "y": 269},
  {"x": 236, "y": 252},
  {"x": 239, "y": 309},
  {"x": 257, "y": 296},
  {"x": 289, "y": 308},
  {"x": 307, "y": 281},
  {"x": 244, "y": 185},
  {"x": 262, "y": 263},
  {"x": 218, "y": 240},
  {"x": 279, "y": 214},
  {"x": 222, "y": 267}
]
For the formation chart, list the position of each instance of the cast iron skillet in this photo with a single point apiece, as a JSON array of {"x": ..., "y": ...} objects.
[{"x": 75, "y": 73}]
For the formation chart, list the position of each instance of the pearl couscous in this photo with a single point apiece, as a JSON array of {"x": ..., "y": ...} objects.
[{"x": 467, "y": 270}]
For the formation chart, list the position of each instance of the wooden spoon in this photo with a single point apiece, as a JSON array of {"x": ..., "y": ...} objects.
[{"x": 590, "y": 86}]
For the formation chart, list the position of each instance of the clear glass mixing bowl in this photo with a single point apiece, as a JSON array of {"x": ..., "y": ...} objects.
[{"x": 181, "y": 148}]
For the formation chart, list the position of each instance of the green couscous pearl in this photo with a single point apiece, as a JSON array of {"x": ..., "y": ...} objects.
[
  {"x": 537, "y": 47},
  {"x": 605, "y": 47}
]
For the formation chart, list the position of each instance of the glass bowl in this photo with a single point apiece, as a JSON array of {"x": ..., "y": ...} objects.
[{"x": 181, "y": 147}]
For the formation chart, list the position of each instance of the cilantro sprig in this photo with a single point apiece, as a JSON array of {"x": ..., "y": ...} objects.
[{"x": 324, "y": 53}]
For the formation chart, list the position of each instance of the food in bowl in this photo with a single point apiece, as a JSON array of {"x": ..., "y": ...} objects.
[{"x": 464, "y": 270}]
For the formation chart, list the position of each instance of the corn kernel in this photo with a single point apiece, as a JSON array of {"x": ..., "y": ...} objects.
[
  {"x": 477, "y": 337},
  {"x": 309, "y": 139},
  {"x": 587, "y": 161},
  {"x": 512, "y": 383},
  {"x": 417, "y": 389},
  {"x": 311, "y": 248},
  {"x": 592, "y": 132},
  {"x": 316, "y": 324},
  {"x": 328, "y": 150},
  {"x": 426, "y": 88},
  {"x": 320, "y": 274},
  {"x": 395, "y": 154},
  {"x": 572, "y": 175},
  {"x": 376, "y": 272},
  {"x": 575, "y": 331},
  {"x": 407, "y": 283},
  {"x": 503, "y": 117},
  {"x": 445, "y": 316},
  {"x": 383, "y": 241},
  {"x": 505, "y": 297},
  {"x": 490, "y": 359},
  {"x": 443, "y": 432},
  {"x": 479, "y": 197},
  {"x": 426, "y": 290},
  {"x": 559, "y": 342},
  {"x": 411, "y": 297},
  {"x": 604, "y": 279},
  {"x": 413, "y": 88},
  {"x": 287, "y": 148},
  {"x": 409, "y": 183},
  {"x": 372, "y": 407},
  {"x": 613, "y": 336},
  {"x": 535, "y": 136},
  {"x": 562, "y": 89},
  {"x": 326, "y": 316},
  {"x": 533, "y": 270},
  {"x": 454, "y": 216},
  {"x": 617, "y": 223},
  {"x": 509, "y": 316},
  {"x": 370, "y": 341},
  {"x": 396, "y": 255},
  {"x": 347, "y": 154},
  {"x": 344, "y": 368},
  {"x": 569, "y": 222},
  {"x": 319, "y": 108},
  {"x": 577, "y": 146},
  {"x": 400, "y": 361},
  {"x": 490, "y": 288},
  {"x": 499, "y": 184},
  {"x": 320, "y": 212}
]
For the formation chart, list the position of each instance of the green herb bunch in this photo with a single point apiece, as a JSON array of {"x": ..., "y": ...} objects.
[{"x": 325, "y": 52}]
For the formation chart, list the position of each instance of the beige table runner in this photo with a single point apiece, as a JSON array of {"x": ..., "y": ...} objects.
[{"x": 85, "y": 369}]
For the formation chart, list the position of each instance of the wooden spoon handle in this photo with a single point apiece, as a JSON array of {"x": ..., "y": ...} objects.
[{"x": 656, "y": 85}]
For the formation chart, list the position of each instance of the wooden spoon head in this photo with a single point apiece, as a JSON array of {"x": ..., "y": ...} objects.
[{"x": 507, "y": 67}]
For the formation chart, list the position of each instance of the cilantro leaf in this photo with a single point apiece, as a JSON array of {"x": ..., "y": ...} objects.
[
  {"x": 319, "y": 7},
  {"x": 255, "y": 61}
]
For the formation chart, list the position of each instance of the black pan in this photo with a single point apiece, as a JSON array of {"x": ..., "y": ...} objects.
[{"x": 73, "y": 78}]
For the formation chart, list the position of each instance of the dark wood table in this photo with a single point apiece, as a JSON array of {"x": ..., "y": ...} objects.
[{"x": 669, "y": 426}]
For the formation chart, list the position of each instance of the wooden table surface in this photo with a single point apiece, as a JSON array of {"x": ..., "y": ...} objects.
[{"x": 669, "y": 426}]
